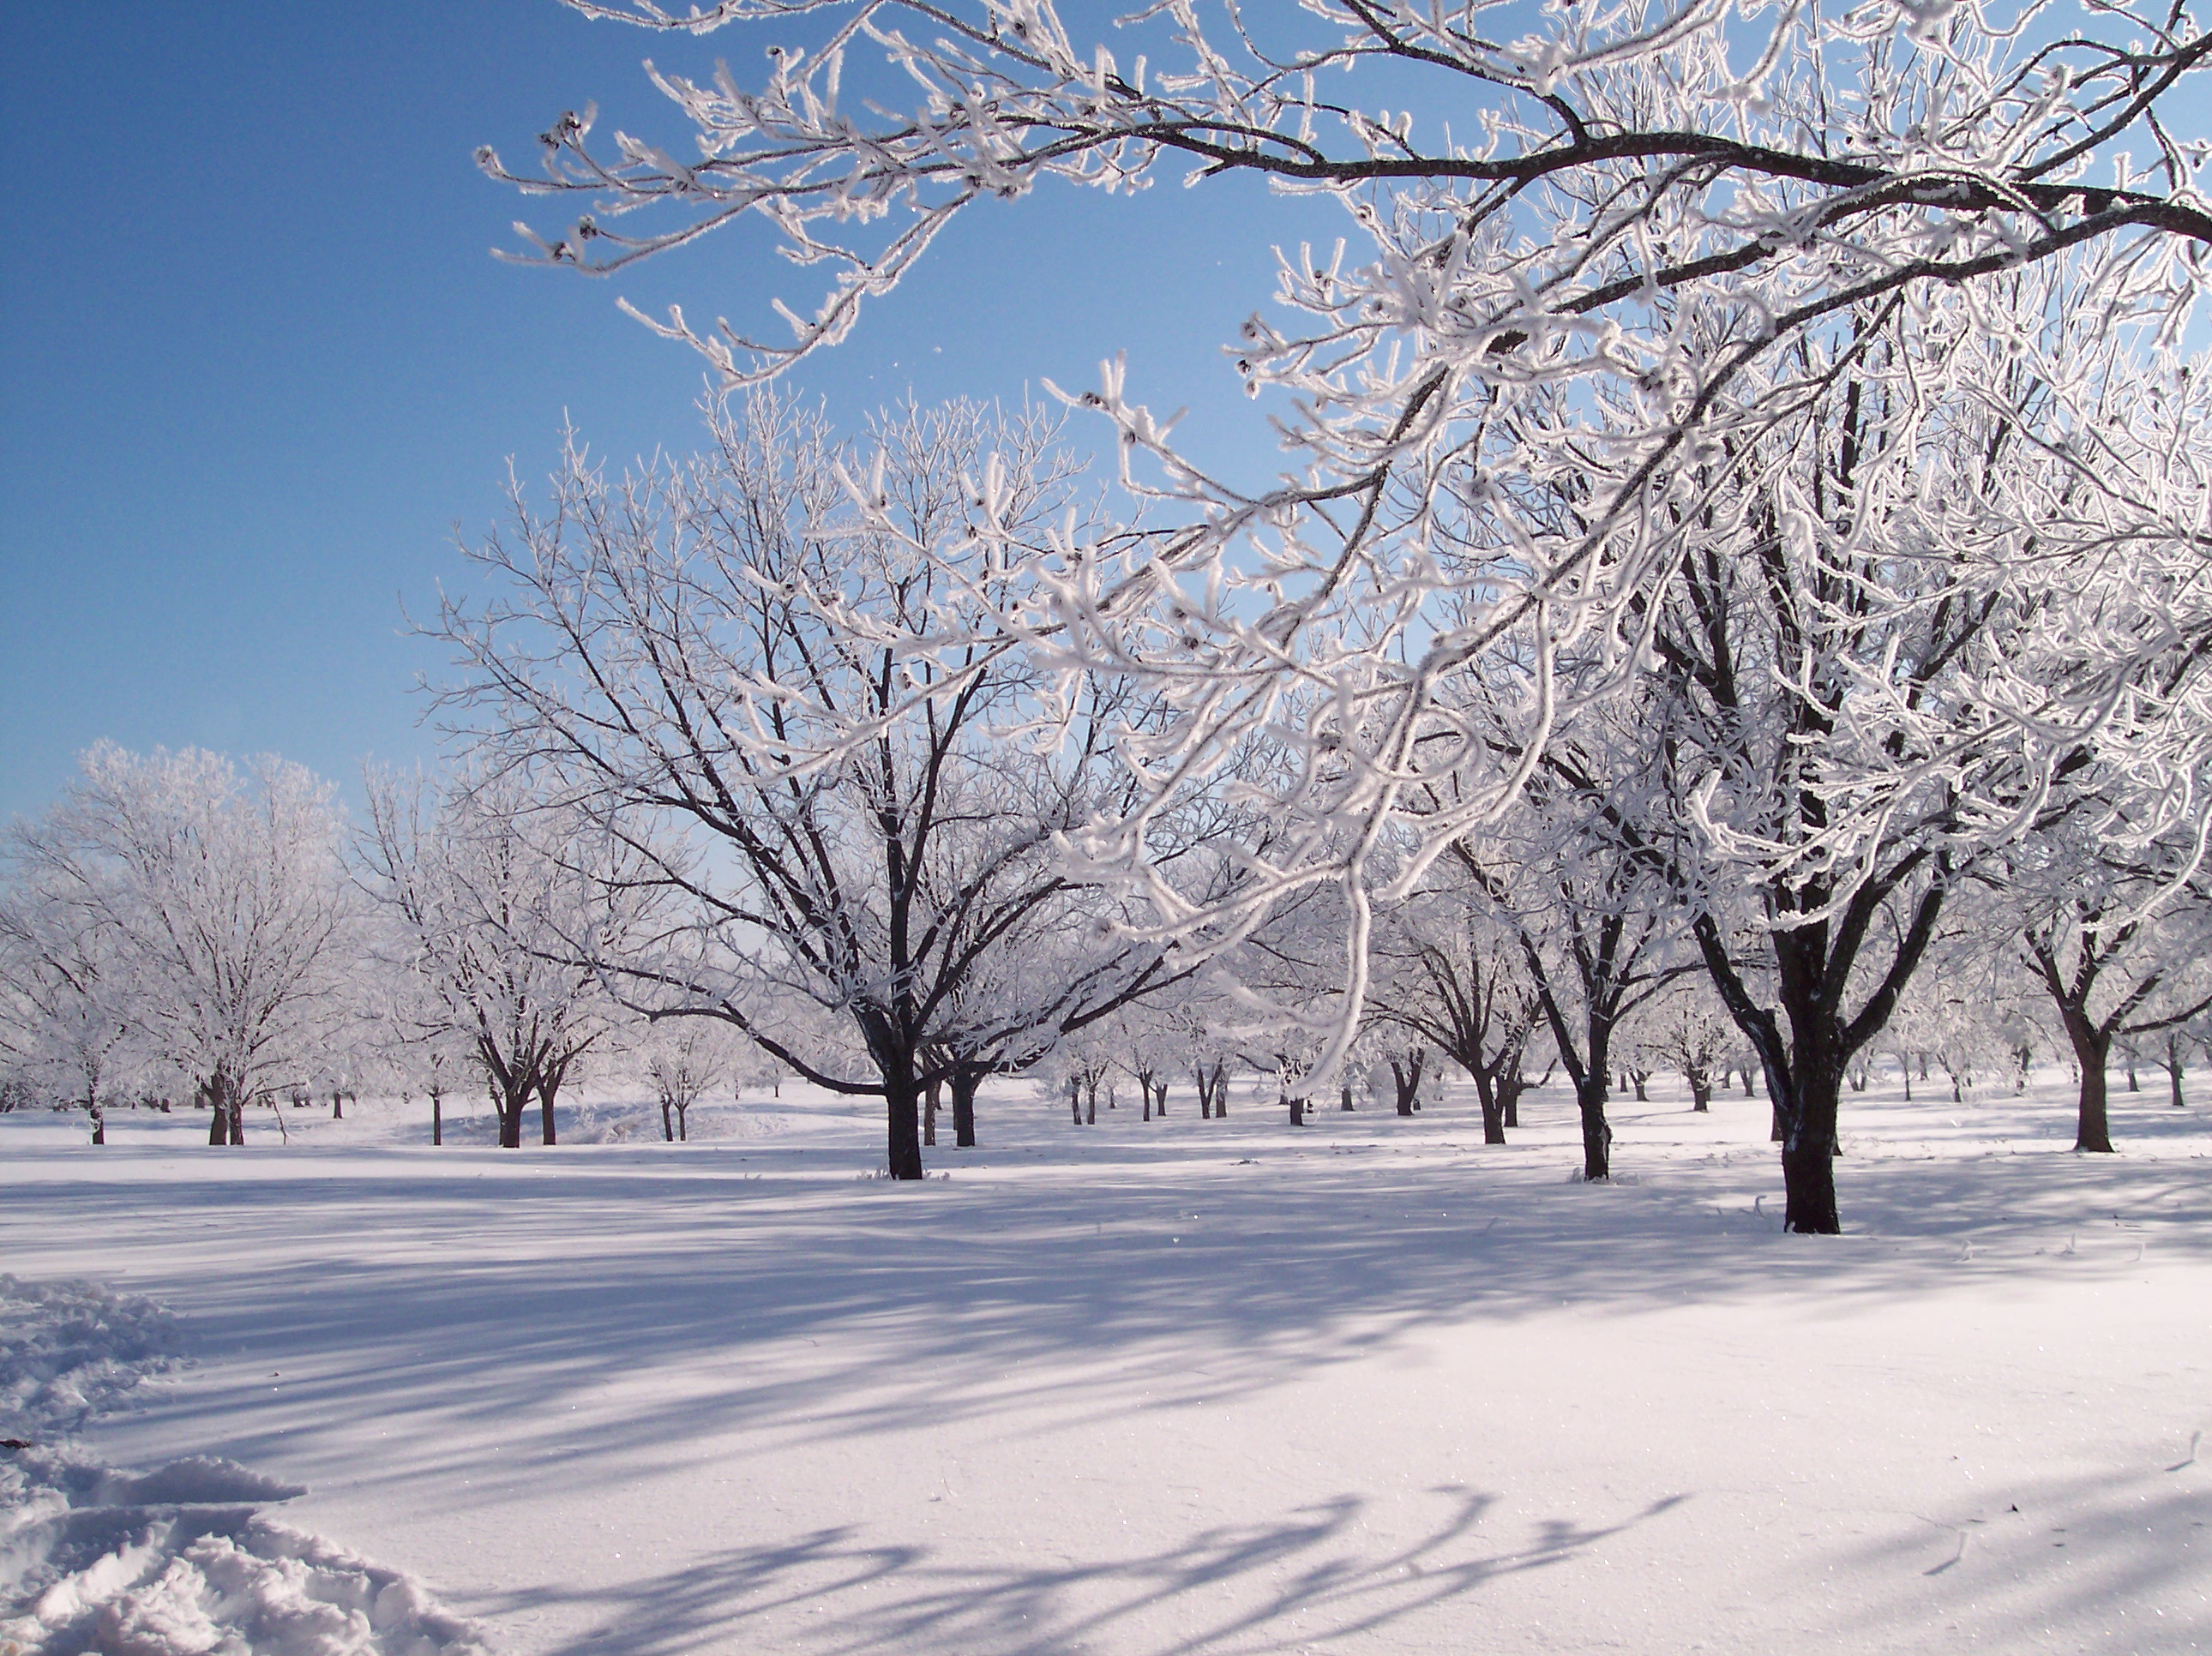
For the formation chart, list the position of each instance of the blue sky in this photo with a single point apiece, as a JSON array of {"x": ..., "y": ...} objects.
[
  {"x": 260, "y": 363},
  {"x": 261, "y": 366}
]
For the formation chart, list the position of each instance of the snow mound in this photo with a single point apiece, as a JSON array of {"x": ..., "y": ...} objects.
[
  {"x": 228, "y": 1584},
  {"x": 70, "y": 1350},
  {"x": 173, "y": 1563},
  {"x": 198, "y": 1480}
]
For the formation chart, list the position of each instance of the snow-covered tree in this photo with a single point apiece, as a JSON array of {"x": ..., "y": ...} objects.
[
  {"x": 1198, "y": 1017},
  {"x": 1149, "y": 1046},
  {"x": 65, "y": 1031},
  {"x": 498, "y": 905},
  {"x": 1662, "y": 207},
  {"x": 223, "y": 895},
  {"x": 2115, "y": 929},
  {"x": 1608, "y": 270},
  {"x": 1593, "y": 905},
  {"x": 685, "y": 1058},
  {"x": 767, "y": 670},
  {"x": 414, "y": 1043},
  {"x": 1684, "y": 1029},
  {"x": 1459, "y": 979}
]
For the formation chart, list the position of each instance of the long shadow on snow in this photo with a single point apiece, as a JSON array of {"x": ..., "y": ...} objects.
[
  {"x": 1312, "y": 1564},
  {"x": 819, "y": 1309}
]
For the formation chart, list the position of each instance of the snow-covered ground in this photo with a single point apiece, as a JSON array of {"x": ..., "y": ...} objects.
[
  {"x": 1180, "y": 1386},
  {"x": 179, "y": 1560}
]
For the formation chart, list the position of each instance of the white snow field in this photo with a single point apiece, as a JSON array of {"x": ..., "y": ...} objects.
[{"x": 1134, "y": 1390}]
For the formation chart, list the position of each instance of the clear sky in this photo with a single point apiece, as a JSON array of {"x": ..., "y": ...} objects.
[{"x": 260, "y": 365}]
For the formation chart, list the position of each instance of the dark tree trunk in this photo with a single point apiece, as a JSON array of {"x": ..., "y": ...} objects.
[
  {"x": 217, "y": 1091},
  {"x": 1808, "y": 1186},
  {"x": 1701, "y": 1090},
  {"x": 1493, "y": 1113},
  {"x": 667, "y": 1120},
  {"x": 545, "y": 1110},
  {"x": 2173, "y": 1067},
  {"x": 1406, "y": 1077},
  {"x": 1775, "y": 1132},
  {"x": 437, "y": 1116},
  {"x": 1298, "y": 1108},
  {"x": 2134, "y": 1085},
  {"x": 902, "y": 1120},
  {"x": 1144, "y": 1090},
  {"x": 683, "y": 1125},
  {"x": 2092, "y": 1047},
  {"x": 1509, "y": 1083},
  {"x": 1750, "y": 1083},
  {"x": 98, "y": 1120},
  {"x": 1090, "y": 1103},
  {"x": 929, "y": 1115},
  {"x": 509, "y": 1095},
  {"x": 1597, "y": 1132},
  {"x": 965, "y": 1083},
  {"x": 1075, "y": 1099},
  {"x": 1809, "y": 1142},
  {"x": 1344, "y": 1101},
  {"x": 1638, "y": 1079}
]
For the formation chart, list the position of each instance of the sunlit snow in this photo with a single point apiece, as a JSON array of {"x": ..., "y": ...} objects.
[{"x": 1217, "y": 1386}]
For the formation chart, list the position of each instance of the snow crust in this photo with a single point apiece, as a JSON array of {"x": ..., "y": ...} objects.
[
  {"x": 177, "y": 1562},
  {"x": 1169, "y": 1388}
]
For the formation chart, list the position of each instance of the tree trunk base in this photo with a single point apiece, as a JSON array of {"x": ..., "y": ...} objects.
[{"x": 1808, "y": 1182}]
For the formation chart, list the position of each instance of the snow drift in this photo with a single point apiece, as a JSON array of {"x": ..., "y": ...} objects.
[{"x": 177, "y": 1562}]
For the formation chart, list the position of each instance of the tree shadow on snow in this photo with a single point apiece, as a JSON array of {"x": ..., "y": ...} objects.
[
  {"x": 1309, "y": 1575},
  {"x": 458, "y": 1306}
]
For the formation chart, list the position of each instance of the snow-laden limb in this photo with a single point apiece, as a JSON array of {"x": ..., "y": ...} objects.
[
  {"x": 1835, "y": 151},
  {"x": 174, "y": 1562}
]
